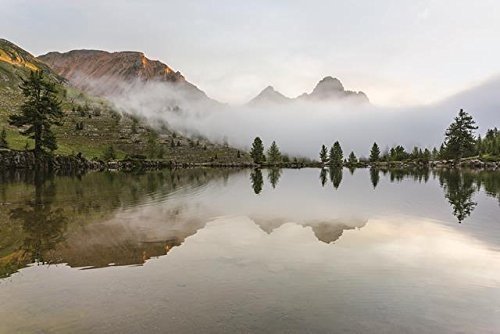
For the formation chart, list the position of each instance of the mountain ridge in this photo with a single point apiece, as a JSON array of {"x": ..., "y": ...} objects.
[
  {"x": 328, "y": 89},
  {"x": 113, "y": 69}
]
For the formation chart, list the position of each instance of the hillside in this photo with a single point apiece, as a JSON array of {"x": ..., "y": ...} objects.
[{"x": 91, "y": 124}]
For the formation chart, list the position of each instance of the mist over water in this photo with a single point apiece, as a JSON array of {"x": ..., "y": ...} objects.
[{"x": 300, "y": 128}]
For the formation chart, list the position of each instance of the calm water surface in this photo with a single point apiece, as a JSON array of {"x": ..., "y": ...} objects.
[{"x": 214, "y": 251}]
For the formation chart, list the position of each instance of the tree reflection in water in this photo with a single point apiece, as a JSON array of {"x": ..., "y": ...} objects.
[
  {"x": 336, "y": 176},
  {"x": 43, "y": 225},
  {"x": 323, "y": 176},
  {"x": 257, "y": 181},
  {"x": 274, "y": 175},
  {"x": 459, "y": 188},
  {"x": 374, "y": 177}
]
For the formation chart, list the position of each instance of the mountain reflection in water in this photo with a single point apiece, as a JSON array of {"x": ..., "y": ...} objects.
[{"x": 113, "y": 219}]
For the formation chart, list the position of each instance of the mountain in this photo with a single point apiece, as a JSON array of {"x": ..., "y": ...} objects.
[
  {"x": 328, "y": 89},
  {"x": 91, "y": 123},
  {"x": 331, "y": 89},
  {"x": 269, "y": 95},
  {"x": 106, "y": 73}
]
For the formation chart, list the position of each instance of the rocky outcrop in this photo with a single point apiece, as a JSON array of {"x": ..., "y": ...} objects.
[{"x": 11, "y": 159}]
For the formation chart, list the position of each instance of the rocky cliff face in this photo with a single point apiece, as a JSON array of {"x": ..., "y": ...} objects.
[{"x": 105, "y": 73}]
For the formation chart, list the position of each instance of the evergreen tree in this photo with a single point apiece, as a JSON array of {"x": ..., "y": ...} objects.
[
  {"x": 426, "y": 155},
  {"x": 336, "y": 155},
  {"x": 435, "y": 153},
  {"x": 398, "y": 153},
  {"x": 459, "y": 137},
  {"x": 273, "y": 154},
  {"x": 257, "y": 151},
  {"x": 375, "y": 153},
  {"x": 323, "y": 154},
  {"x": 3, "y": 139},
  {"x": 490, "y": 145},
  {"x": 41, "y": 109},
  {"x": 352, "y": 158}
]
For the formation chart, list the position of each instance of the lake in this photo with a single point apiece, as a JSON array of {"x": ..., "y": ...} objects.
[{"x": 254, "y": 251}]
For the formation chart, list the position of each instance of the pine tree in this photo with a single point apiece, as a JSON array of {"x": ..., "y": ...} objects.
[
  {"x": 435, "y": 153},
  {"x": 273, "y": 154},
  {"x": 459, "y": 140},
  {"x": 352, "y": 158},
  {"x": 375, "y": 153},
  {"x": 40, "y": 110},
  {"x": 323, "y": 154},
  {"x": 257, "y": 151},
  {"x": 336, "y": 155},
  {"x": 3, "y": 139}
]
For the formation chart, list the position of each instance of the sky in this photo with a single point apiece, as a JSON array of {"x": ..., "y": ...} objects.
[{"x": 399, "y": 52}]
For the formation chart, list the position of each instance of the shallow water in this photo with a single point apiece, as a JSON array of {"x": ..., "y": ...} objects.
[{"x": 204, "y": 250}]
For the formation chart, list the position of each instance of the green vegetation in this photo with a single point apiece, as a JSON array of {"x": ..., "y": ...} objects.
[
  {"x": 489, "y": 147},
  {"x": 375, "y": 153},
  {"x": 460, "y": 141},
  {"x": 274, "y": 154},
  {"x": 352, "y": 160},
  {"x": 336, "y": 155},
  {"x": 41, "y": 109},
  {"x": 257, "y": 151},
  {"x": 109, "y": 154},
  {"x": 3, "y": 139},
  {"x": 323, "y": 154}
]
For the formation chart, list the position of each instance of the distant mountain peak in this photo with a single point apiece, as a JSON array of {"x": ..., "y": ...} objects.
[
  {"x": 329, "y": 83},
  {"x": 328, "y": 89},
  {"x": 269, "y": 95}
]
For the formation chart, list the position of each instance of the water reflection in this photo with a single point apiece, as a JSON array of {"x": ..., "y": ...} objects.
[
  {"x": 323, "y": 176},
  {"x": 257, "y": 180},
  {"x": 274, "y": 175},
  {"x": 102, "y": 219},
  {"x": 46, "y": 218},
  {"x": 374, "y": 177},
  {"x": 336, "y": 176},
  {"x": 43, "y": 225},
  {"x": 459, "y": 189}
]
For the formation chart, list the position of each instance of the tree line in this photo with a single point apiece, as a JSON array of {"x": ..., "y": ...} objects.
[
  {"x": 41, "y": 110},
  {"x": 460, "y": 142}
]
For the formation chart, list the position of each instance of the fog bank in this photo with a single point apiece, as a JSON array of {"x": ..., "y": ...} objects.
[{"x": 301, "y": 128}]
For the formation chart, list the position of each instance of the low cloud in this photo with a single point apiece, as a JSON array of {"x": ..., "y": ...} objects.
[{"x": 301, "y": 128}]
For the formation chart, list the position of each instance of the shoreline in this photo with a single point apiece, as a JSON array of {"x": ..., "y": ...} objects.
[{"x": 25, "y": 160}]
